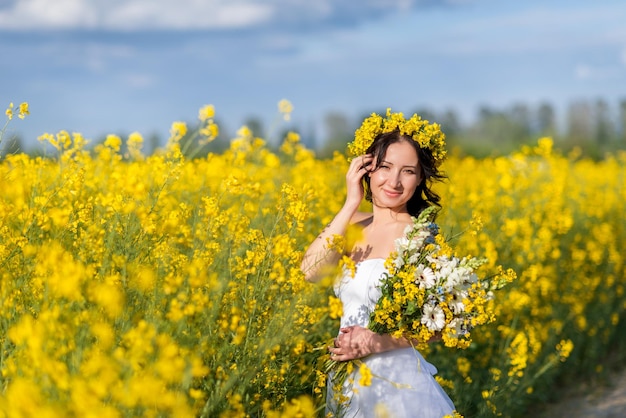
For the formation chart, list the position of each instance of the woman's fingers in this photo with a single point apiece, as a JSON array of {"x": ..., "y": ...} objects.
[
  {"x": 351, "y": 343},
  {"x": 358, "y": 168},
  {"x": 346, "y": 353},
  {"x": 361, "y": 163},
  {"x": 366, "y": 162}
]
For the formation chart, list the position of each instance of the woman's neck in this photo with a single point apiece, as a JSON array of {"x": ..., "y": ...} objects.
[{"x": 386, "y": 216}]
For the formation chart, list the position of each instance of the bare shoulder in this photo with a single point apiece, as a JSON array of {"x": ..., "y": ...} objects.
[{"x": 362, "y": 218}]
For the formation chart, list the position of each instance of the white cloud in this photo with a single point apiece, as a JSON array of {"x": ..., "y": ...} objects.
[
  {"x": 142, "y": 14},
  {"x": 24, "y": 15},
  {"x": 61, "y": 14},
  {"x": 132, "y": 14}
]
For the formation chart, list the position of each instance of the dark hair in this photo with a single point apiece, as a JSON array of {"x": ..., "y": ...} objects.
[{"x": 424, "y": 196}]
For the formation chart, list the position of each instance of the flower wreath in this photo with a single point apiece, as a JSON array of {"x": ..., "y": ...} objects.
[{"x": 427, "y": 135}]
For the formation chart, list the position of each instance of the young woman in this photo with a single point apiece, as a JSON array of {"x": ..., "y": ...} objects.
[{"x": 395, "y": 174}]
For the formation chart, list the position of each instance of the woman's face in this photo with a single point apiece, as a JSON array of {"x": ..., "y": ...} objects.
[{"x": 396, "y": 178}]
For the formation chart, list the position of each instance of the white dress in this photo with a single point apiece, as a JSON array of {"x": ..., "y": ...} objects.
[{"x": 402, "y": 384}]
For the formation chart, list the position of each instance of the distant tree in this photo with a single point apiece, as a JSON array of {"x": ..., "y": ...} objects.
[
  {"x": 256, "y": 126},
  {"x": 579, "y": 123},
  {"x": 450, "y": 123},
  {"x": 546, "y": 120},
  {"x": 484, "y": 114},
  {"x": 309, "y": 138},
  {"x": 151, "y": 143},
  {"x": 604, "y": 130},
  {"x": 338, "y": 133},
  {"x": 11, "y": 144},
  {"x": 451, "y": 127},
  {"x": 494, "y": 125},
  {"x": 520, "y": 121},
  {"x": 622, "y": 122},
  {"x": 426, "y": 114}
]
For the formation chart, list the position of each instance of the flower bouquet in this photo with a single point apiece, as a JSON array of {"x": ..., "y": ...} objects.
[{"x": 429, "y": 292}]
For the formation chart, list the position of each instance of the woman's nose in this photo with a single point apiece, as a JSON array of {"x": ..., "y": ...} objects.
[{"x": 395, "y": 179}]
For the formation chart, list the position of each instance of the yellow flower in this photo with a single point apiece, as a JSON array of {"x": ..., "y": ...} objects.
[
  {"x": 210, "y": 132},
  {"x": 114, "y": 142},
  {"x": 366, "y": 375},
  {"x": 285, "y": 107},
  {"x": 104, "y": 334},
  {"x": 23, "y": 110},
  {"x": 463, "y": 366},
  {"x": 135, "y": 141},
  {"x": 290, "y": 143},
  {"x": 178, "y": 130},
  {"x": 109, "y": 297},
  {"x": 564, "y": 347},
  {"x": 9, "y": 111},
  {"x": 335, "y": 307},
  {"x": 206, "y": 112}
]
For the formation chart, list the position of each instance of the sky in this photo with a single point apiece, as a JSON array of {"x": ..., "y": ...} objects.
[{"x": 121, "y": 66}]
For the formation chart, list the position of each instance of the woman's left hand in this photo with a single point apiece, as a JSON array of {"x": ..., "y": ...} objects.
[{"x": 353, "y": 342}]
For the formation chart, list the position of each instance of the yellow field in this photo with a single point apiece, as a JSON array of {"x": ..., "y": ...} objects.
[{"x": 136, "y": 285}]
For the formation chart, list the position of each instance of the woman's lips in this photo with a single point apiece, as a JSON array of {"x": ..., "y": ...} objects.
[{"x": 392, "y": 193}]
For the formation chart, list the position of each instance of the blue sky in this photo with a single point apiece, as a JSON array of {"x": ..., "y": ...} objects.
[{"x": 118, "y": 66}]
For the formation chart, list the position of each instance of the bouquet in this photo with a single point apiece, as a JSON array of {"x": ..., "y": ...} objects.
[{"x": 429, "y": 292}]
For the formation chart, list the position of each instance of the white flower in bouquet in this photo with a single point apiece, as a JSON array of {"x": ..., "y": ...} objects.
[
  {"x": 434, "y": 318},
  {"x": 425, "y": 277},
  {"x": 456, "y": 304}
]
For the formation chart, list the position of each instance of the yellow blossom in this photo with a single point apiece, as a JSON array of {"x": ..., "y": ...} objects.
[
  {"x": 335, "y": 307},
  {"x": 114, "y": 142},
  {"x": 285, "y": 107},
  {"x": 9, "y": 111},
  {"x": 23, "y": 112},
  {"x": 366, "y": 375},
  {"x": 206, "y": 112}
]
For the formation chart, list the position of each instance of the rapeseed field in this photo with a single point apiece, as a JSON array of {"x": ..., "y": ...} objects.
[{"x": 163, "y": 285}]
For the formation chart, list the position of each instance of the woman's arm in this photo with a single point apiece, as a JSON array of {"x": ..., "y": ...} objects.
[{"x": 319, "y": 254}]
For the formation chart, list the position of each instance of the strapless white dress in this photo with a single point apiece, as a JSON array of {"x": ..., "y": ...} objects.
[{"x": 403, "y": 384}]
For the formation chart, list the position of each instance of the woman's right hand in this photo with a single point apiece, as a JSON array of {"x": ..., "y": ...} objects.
[
  {"x": 319, "y": 254},
  {"x": 359, "y": 167}
]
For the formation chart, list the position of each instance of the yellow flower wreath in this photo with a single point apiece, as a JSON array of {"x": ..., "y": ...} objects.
[{"x": 427, "y": 135}]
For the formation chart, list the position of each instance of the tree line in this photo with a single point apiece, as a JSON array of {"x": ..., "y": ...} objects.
[{"x": 595, "y": 128}]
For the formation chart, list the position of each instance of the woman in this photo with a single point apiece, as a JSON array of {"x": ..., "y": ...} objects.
[{"x": 394, "y": 174}]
